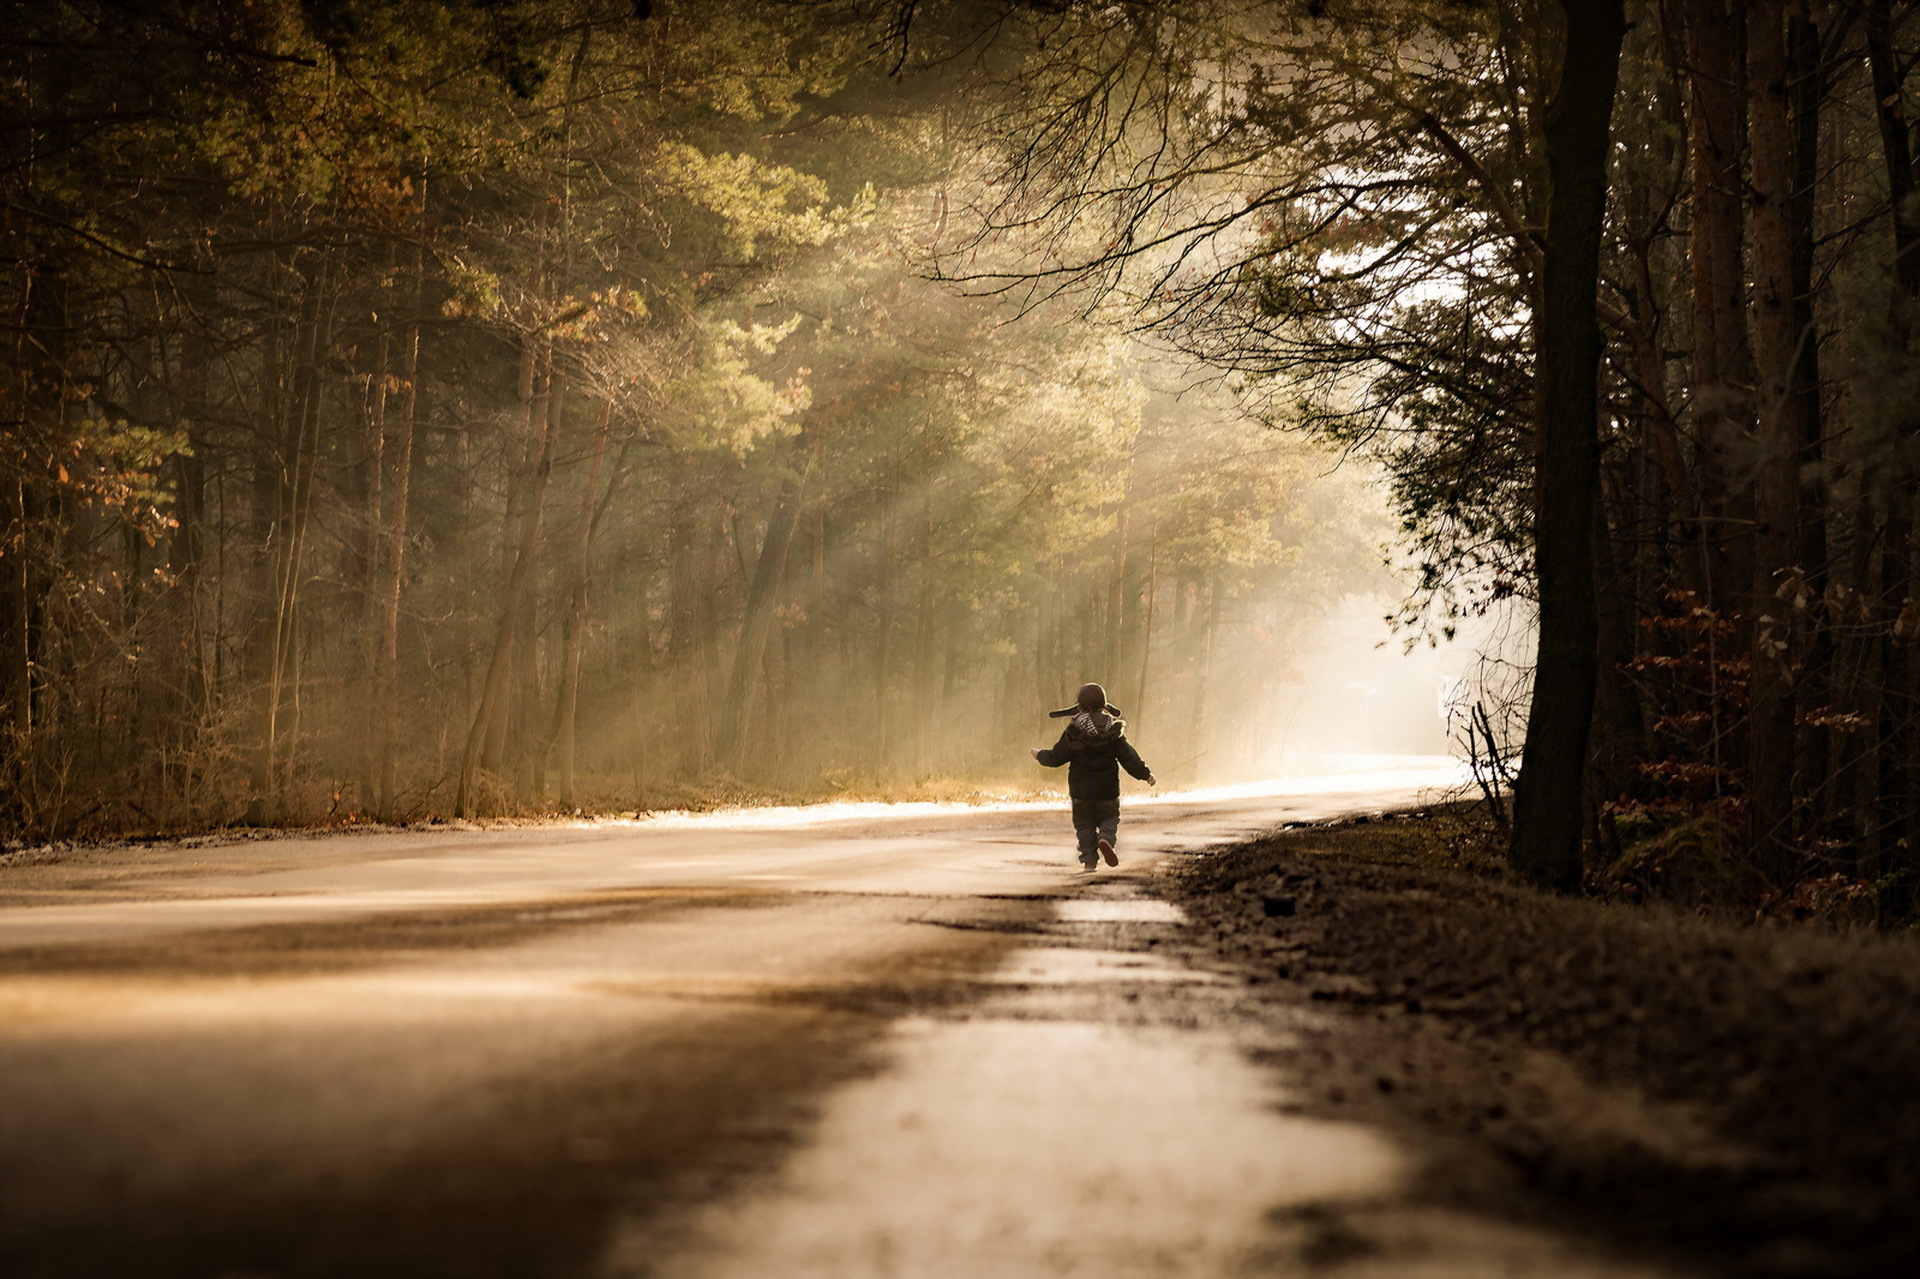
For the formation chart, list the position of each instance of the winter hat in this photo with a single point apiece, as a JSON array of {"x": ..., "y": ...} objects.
[{"x": 1091, "y": 697}]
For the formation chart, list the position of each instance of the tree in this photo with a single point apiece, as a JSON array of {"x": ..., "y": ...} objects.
[{"x": 1549, "y": 805}]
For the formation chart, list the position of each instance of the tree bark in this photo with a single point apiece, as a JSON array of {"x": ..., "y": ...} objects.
[
  {"x": 523, "y": 453},
  {"x": 769, "y": 570},
  {"x": 41, "y": 394},
  {"x": 493, "y": 690},
  {"x": 1619, "y": 727},
  {"x": 1777, "y": 441},
  {"x": 263, "y": 536},
  {"x": 393, "y": 564},
  {"x": 1139, "y": 702},
  {"x": 187, "y": 554},
  {"x": 374, "y": 563},
  {"x": 297, "y": 460},
  {"x": 1720, "y": 359},
  {"x": 16, "y": 670},
  {"x": 1548, "y": 808},
  {"x": 883, "y": 656},
  {"x": 925, "y": 705},
  {"x": 817, "y": 591},
  {"x": 523, "y": 717},
  {"x": 1895, "y": 820},
  {"x": 1896, "y": 147},
  {"x": 573, "y": 627},
  {"x": 1813, "y": 687},
  {"x": 693, "y": 549},
  {"x": 1113, "y": 655}
]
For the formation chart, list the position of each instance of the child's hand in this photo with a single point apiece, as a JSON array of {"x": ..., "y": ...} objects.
[
  {"x": 1152, "y": 780},
  {"x": 1034, "y": 751}
]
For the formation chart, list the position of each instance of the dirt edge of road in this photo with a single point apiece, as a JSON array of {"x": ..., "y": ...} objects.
[{"x": 1739, "y": 1100}]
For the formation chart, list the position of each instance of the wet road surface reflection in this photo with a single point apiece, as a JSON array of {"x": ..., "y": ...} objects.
[{"x": 848, "y": 1043}]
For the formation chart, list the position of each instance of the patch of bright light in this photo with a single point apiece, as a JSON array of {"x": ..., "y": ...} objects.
[
  {"x": 823, "y": 814},
  {"x": 1419, "y": 777}
]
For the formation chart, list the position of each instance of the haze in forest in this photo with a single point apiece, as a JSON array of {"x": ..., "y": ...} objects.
[
  {"x": 427, "y": 411},
  {"x": 439, "y": 409}
]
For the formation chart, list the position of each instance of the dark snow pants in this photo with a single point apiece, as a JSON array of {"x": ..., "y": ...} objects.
[{"x": 1094, "y": 819}]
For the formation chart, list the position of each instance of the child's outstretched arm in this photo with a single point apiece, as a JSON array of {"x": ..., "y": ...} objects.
[
  {"x": 1131, "y": 761},
  {"x": 1053, "y": 756}
]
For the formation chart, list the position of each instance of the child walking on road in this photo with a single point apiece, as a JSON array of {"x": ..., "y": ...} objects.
[{"x": 1095, "y": 748}]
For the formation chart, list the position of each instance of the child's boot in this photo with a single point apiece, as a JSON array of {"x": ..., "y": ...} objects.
[{"x": 1106, "y": 851}]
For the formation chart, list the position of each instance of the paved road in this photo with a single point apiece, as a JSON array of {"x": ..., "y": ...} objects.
[{"x": 813, "y": 1042}]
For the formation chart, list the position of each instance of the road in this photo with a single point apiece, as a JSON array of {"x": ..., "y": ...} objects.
[{"x": 839, "y": 1042}]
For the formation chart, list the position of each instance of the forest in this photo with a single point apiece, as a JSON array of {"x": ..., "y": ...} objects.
[
  {"x": 486, "y": 406},
  {"x": 479, "y": 408}
]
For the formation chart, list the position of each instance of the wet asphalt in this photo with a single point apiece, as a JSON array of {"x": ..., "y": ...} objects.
[{"x": 841, "y": 1042}]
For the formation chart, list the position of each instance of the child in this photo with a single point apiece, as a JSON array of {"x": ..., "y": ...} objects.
[{"x": 1095, "y": 748}]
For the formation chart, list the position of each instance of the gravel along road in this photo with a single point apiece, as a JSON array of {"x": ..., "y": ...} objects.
[{"x": 824, "y": 1042}]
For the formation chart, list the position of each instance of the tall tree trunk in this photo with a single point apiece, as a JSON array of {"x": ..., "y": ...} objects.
[
  {"x": 756, "y": 625},
  {"x": 925, "y": 705},
  {"x": 1548, "y": 808},
  {"x": 524, "y": 715},
  {"x": 1720, "y": 359},
  {"x": 266, "y": 529},
  {"x": 493, "y": 691},
  {"x": 19, "y": 521},
  {"x": 393, "y": 564},
  {"x": 1139, "y": 695},
  {"x": 883, "y": 657},
  {"x": 1112, "y": 656},
  {"x": 186, "y": 559},
  {"x": 695, "y": 544},
  {"x": 1675, "y": 500},
  {"x": 1777, "y": 440},
  {"x": 1722, "y": 365},
  {"x": 685, "y": 637},
  {"x": 1896, "y": 147},
  {"x": 530, "y": 747},
  {"x": 817, "y": 592},
  {"x": 1209, "y": 622},
  {"x": 522, "y": 458},
  {"x": 1894, "y": 781},
  {"x": 1813, "y": 687},
  {"x": 1619, "y": 726},
  {"x": 1046, "y": 660},
  {"x": 40, "y": 395},
  {"x": 380, "y": 385},
  {"x": 298, "y": 458},
  {"x": 42, "y": 401},
  {"x": 574, "y": 625}
]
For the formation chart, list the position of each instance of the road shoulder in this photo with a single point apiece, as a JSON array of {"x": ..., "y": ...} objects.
[{"x": 1733, "y": 1099}]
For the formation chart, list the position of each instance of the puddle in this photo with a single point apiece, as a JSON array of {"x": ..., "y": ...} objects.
[
  {"x": 1021, "y": 1149},
  {"x": 1064, "y": 966},
  {"x": 1139, "y": 910}
]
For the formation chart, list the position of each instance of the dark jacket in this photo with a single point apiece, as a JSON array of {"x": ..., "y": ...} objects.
[{"x": 1095, "y": 748}]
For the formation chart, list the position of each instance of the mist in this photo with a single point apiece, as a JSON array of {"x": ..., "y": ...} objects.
[{"x": 614, "y": 433}]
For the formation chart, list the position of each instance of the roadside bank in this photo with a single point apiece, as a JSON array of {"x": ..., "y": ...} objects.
[{"x": 1738, "y": 1097}]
